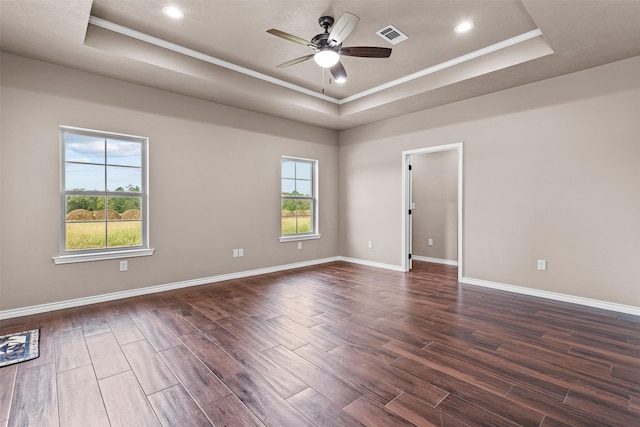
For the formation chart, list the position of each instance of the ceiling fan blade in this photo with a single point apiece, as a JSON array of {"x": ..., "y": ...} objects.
[
  {"x": 292, "y": 38},
  {"x": 338, "y": 72},
  {"x": 295, "y": 61},
  {"x": 341, "y": 30},
  {"x": 366, "y": 51}
]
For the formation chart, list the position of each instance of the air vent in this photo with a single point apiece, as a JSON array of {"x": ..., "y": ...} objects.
[{"x": 392, "y": 34}]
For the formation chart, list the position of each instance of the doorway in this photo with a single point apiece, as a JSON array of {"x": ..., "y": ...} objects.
[{"x": 409, "y": 207}]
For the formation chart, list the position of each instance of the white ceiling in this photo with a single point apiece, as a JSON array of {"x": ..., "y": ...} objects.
[{"x": 221, "y": 51}]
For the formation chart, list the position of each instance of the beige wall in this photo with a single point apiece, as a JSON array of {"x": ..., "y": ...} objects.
[
  {"x": 214, "y": 183},
  {"x": 551, "y": 171},
  {"x": 435, "y": 194}
]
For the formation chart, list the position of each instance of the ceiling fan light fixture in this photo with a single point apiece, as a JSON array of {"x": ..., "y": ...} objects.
[{"x": 326, "y": 58}]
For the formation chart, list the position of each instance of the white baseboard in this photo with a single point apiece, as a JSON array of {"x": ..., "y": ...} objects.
[
  {"x": 612, "y": 306},
  {"x": 42, "y": 308},
  {"x": 434, "y": 260},
  {"x": 372, "y": 263}
]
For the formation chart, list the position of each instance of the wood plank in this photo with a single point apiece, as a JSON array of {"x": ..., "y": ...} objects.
[
  {"x": 559, "y": 411},
  {"x": 174, "y": 407},
  {"x": 476, "y": 415},
  {"x": 419, "y": 412},
  {"x": 270, "y": 408},
  {"x": 388, "y": 374},
  {"x": 324, "y": 383},
  {"x": 372, "y": 413},
  {"x": 94, "y": 325},
  {"x": 320, "y": 410},
  {"x": 603, "y": 409},
  {"x": 149, "y": 368},
  {"x": 196, "y": 378},
  {"x": 71, "y": 350},
  {"x": 468, "y": 392},
  {"x": 281, "y": 381},
  {"x": 156, "y": 332},
  {"x": 7, "y": 380},
  {"x": 353, "y": 375},
  {"x": 106, "y": 355},
  {"x": 125, "y": 401},
  {"x": 299, "y": 345},
  {"x": 177, "y": 324},
  {"x": 35, "y": 400},
  {"x": 230, "y": 411},
  {"x": 316, "y": 338},
  {"x": 213, "y": 357},
  {"x": 124, "y": 329},
  {"x": 80, "y": 399}
]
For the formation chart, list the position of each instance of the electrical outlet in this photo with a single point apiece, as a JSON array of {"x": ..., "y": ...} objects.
[
  {"x": 124, "y": 265},
  {"x": 370, "y": 244},
  {"x": 430, "y": 242},
  {"x": 241, "y": 252},
  {"x": 542, "y": 265},
  {"x": 235, "y": 253},
  {"x": 299, "y": 245}
]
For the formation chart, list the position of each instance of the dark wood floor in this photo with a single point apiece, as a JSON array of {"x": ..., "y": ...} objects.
[{"x": 332, "y": 345}]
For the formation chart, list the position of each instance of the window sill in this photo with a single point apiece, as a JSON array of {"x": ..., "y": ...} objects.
[
  {"x": 100, "y": 256},
  {"x": 299, "y": 237}
]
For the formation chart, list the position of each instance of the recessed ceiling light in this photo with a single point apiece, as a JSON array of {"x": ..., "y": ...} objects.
[
  {"x": 464, "y": 26},
  {"x": 173, "y": 12}
]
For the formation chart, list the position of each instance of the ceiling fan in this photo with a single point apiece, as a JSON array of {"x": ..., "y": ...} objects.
[{"x": 327, "y": 46}]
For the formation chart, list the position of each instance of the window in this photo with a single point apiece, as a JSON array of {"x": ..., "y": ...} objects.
[
  {"x": 103, "y": 196},
  {"x": 299, "y": 199}
]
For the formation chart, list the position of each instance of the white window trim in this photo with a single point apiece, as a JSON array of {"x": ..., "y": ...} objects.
[
  {"x": 67, "y": 257},
  {"x": 316, "y": 173},
  {"x": 101, "y": 256},
  {"x": 297, "y": 237}
]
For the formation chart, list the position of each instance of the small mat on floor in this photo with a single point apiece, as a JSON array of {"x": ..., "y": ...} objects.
[{"x": 19, "y": 347}]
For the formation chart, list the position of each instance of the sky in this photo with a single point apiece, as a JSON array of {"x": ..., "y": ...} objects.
[{"x": 93, "y": 163}]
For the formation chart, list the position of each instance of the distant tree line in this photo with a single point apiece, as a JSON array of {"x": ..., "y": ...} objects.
[
  {"x": 295, "y": 204},
  {"x": 94, "y": 203}
]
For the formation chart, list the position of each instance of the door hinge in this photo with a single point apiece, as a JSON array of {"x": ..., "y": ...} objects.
[
  {"x": 410, "y": 167},
  {"x": 409, "y": 256},
  {"x": 409, "y": 211}
]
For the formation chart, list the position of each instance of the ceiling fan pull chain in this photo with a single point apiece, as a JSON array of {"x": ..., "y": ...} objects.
[{"x": 323, "y": 81}]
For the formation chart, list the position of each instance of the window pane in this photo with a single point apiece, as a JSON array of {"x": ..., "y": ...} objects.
[
  {"x": 288, "y": 186},
  {"x": 124, "y": 233},
  {"x": 85, "y": 235},
  {"x": 83, "y": 208},
  {"x": 124, "y": 153},
  {"x": 83, "y": 177},
  {"x": 304, "y": 224},
  {"x": 303, "y": 188},
  {"x": 297, "y": 216},
  {"x": 303, "y": 170},
  {"x": 288, "y": 169},
  {"x": 84, "y": 149},
  {"x": 123, "y": 178},
  {"x": 124, "y": 208},
  {"x": 298, "y": 212}
]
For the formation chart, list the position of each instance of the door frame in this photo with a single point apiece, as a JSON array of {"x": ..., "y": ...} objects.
[{"x": 406, "y": 201}]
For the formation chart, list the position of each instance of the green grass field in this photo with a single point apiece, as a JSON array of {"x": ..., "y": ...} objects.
[
  {"x": 289, "y": 224},
  {"x": 91, "y": 235}
]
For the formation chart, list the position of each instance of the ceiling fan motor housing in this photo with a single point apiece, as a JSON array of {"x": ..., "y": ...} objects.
[{"x": 325, "y": 22}]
